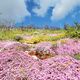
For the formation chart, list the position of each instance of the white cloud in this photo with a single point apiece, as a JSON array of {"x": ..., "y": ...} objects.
[
  {"x": 12, "y": 11},
  {"x": 61, "y": 7},
  {"x": 44, "y": 6}
]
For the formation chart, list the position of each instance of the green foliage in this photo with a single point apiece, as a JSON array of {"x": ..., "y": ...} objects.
[
  {"x": 42, "y": 37},
  {"x": 77, "y": 25},
  {"x": 38, "y": 35},
  {"x": 18, "y": 38},
  {"x": 77, "y": 56},
  {"x": 73, "y": 32}
]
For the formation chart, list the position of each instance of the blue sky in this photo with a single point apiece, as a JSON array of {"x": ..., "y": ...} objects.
[
  {"x": 41, "y": 21},
  {"x": 40, "y": 12},
  {"x": 74, "y": 15}
]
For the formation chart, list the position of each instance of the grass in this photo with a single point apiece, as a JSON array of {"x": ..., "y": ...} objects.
[
  {"x": 39, "y": 35},
  {"x": 44, "y": 37}
]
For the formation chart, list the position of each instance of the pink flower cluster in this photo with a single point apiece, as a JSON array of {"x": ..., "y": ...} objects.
[
  {"x": 71, "y": 47},
  {"x": 16, "y": 64},
  {"x": 12, "y": 45},
  {"x": 56, "y": 68},
  {"x": 20, "y": 66}
]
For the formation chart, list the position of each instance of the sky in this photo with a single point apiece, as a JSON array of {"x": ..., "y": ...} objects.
[{"x": 39, "y": 12}]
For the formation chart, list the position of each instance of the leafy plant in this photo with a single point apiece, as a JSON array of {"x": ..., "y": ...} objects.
[
  {"x": 18, "y": 38},
  {"x": 73, "y": 32},
  {"x": 77, "y": 56}
]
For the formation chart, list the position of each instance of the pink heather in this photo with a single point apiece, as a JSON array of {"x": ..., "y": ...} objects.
[{"x": 16, "y": 64}]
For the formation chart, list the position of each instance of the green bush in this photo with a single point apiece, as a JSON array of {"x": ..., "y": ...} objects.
[
  {"x": 72, "y": 32},
  {"x": 18, "y": 38},
  {"x": 77, "y": 56}
]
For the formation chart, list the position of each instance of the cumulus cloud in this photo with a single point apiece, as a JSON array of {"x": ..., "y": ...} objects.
[
  {"x": 12, "y": 11},
  {"x": 61, "y": 7},
  {"x": 42, "y": 8}
]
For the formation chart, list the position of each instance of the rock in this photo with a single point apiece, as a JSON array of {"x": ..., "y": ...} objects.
[{"x": 43, "y": 50}]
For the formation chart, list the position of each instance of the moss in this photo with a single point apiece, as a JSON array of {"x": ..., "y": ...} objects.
[{"x": 77, "y": 56}]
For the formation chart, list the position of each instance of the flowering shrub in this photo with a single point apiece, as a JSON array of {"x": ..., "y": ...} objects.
[
  {"x": 45, "y": 37},
  {"x": 38, "y": 38},
  {"x": 66, "y": 46},
  {"x": 14, "y": 65},
  {"x": 70, "y": 47},
  {"x": 45, "y": 62},
  {"x": 12, "y": 45},
  {"x": 56, "y": 68},
  {"x": 21, "y": 66}
]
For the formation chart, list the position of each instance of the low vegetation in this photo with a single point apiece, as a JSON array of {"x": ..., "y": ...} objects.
[{"x": 40, "y": 54}]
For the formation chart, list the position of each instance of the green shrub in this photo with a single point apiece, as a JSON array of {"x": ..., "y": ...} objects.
[
  {"x": 73, "y": 31},
  {"x": 77, "y": 56},
  {"x": 18, "y": 38}
]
